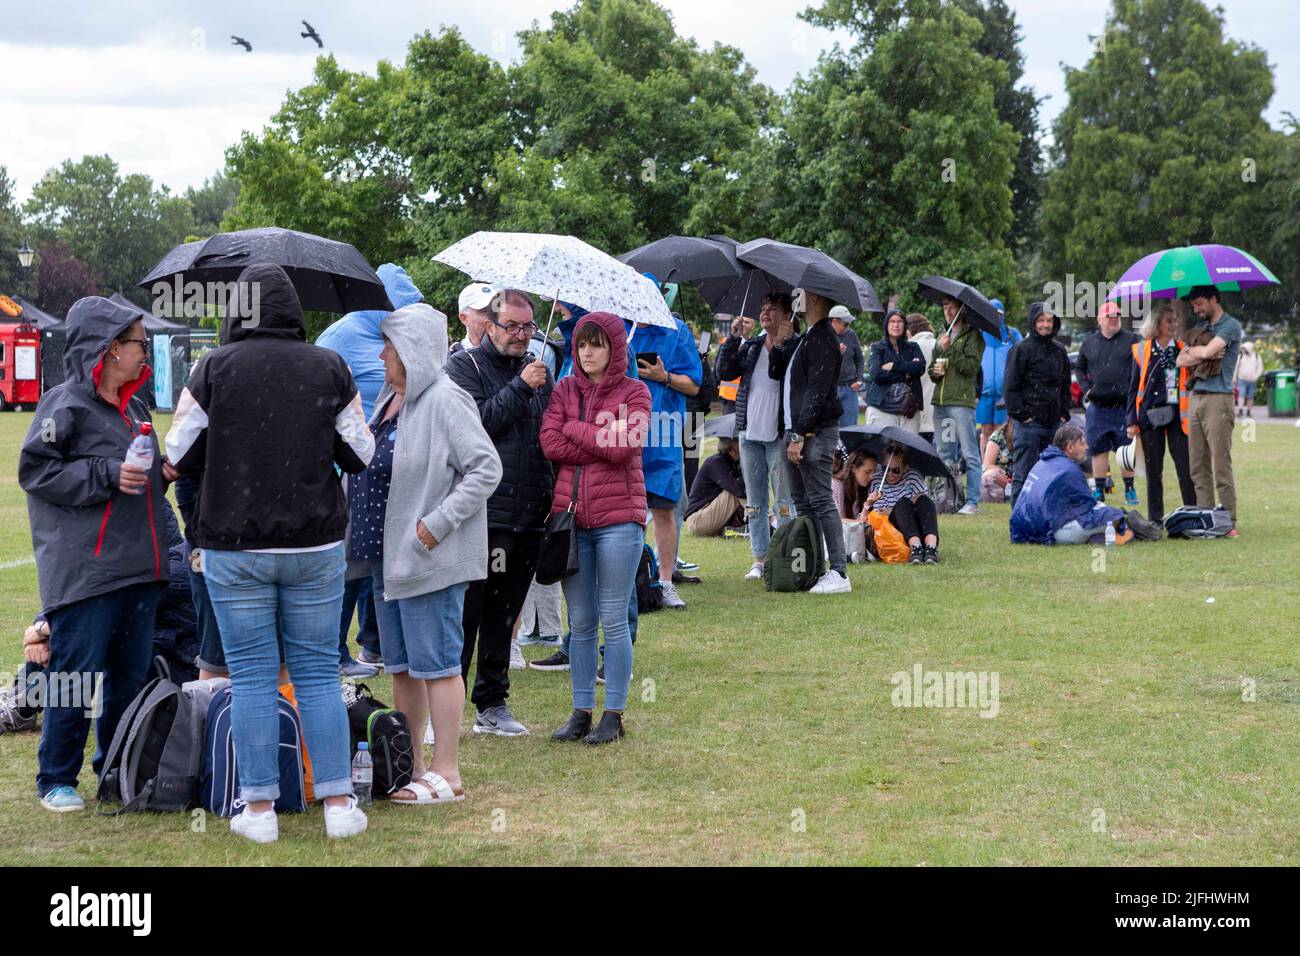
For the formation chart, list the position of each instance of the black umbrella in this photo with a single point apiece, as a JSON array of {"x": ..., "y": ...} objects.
[
  {"x": 979, "y": 311},
  {"x": 741, "y": 294},
  {"x": 329, "y": 276},
  {"x": 874, "y": 438},
  {"x": 811, "y": 270},
  {"x": 710, "y": 264}
]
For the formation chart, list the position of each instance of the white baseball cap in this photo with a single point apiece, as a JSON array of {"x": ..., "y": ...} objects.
[
  {"x": 477, "y": 296},
  {"x": 842, "y": 313}
]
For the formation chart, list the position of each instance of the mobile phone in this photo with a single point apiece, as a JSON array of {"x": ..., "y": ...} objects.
[
  {"x": 705, "y": 336},
  {"x": 649, "y": 358}
]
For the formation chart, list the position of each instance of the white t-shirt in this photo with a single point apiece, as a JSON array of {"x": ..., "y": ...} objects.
[
  {"x": 764, "y": 402},
  {"x": 789, "y": 418}
]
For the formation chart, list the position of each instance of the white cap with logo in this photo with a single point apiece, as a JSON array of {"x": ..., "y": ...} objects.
[
  {"x": 842, "y": 314},
  {"x": 477, "y": 296}
]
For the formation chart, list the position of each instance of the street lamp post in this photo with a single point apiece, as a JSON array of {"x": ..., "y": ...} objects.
[{"x": 25, "y": 255}]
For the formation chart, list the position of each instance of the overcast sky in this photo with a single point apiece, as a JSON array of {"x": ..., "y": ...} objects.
[{"x": 160, "y": 87}]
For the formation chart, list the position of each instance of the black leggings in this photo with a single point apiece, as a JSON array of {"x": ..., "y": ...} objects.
[{"x": 916, "y": 519}]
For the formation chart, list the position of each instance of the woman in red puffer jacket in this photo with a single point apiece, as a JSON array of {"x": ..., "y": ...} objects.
[{"x": 593, "y": 429}]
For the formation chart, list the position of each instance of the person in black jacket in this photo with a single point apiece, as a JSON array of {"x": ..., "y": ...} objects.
[
  {"x": 1036, "y": 389},
  {"x": 267, "y": 418},
  {"x": 810, "y": 415},
  {"x": 895, "y": 369},
  {"x": 1104, "y": 363},
  {"x": 762, "y": 448},
  {"x": 511, "y": 393},
  {"x": 718, "y": 495}
]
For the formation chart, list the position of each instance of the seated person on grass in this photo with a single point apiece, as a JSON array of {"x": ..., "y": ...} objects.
[
  {"x": 717, "y": 498},
  {"x": 900, "y": 492},
  {"x": 1056, "y": 506},
  {"x": 851, "y": 483}
]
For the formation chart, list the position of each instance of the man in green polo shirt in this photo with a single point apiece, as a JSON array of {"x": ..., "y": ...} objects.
[{"x": 1211, "y": 414}]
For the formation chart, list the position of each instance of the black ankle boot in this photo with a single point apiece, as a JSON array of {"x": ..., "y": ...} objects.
[
  {"x": 576, "y": 727},
  {"x": 607, "y": 731}
]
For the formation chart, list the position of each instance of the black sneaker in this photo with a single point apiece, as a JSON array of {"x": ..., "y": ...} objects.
[
  {"x": 931, "y": 555},
  {"x": 917, "y": 556},
  {"x": 607, "y": 731},
  {"x": 600, "y": 673},
  {"x": 559, "y": 661}
]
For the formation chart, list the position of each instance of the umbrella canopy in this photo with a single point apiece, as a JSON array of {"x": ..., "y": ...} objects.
[
  {"x": 981, "y": 313},
  {"x": 562, "y": 267},
  {"x": 152, "y": 323},
  {"x": 683, "y": 259},
  {"x": 1174, "y": 272},
  {"x": 742, "y": 294},
  {"x": 875, "y": 437},
  {"x": 329, "y": 276},
  {"x": 811, "y": 270},
  {"x": 724, "y": 426}
]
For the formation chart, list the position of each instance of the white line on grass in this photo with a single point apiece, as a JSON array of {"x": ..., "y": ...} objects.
[{"x": 7, "y": 565}]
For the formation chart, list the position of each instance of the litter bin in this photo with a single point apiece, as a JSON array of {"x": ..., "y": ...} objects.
[{"x": 1282, "y": 393}]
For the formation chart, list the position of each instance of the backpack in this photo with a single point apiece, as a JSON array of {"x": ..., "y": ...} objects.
[
  {"x": 385, "y": 733},
  {"x": 703, "y": 400},
  {"x": 219, "y": 784},
  {"x": 795, "y": 557},
  {"x": 1190, "y": 521},
  {"x": 948, "y": 495},
  {"x": 649, "y": 590},
  {"x": 155, "y": 757},
  {"x": 1143, "y": 530}
]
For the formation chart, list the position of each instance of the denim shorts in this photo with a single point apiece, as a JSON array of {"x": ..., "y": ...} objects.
[
  {"x": 1105, "y": 429},
  {"x": 988, "y": 413},
  {"x": 422, "y": 636}
]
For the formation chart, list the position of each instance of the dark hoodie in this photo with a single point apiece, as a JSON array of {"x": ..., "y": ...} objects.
[
  {"x": 88, "y": 536},
  {"x": 266, "y": 417},
  {"x": 1037, "y": 384}
]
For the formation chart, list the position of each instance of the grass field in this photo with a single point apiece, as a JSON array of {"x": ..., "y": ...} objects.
[{"x": 761, "y": 728}]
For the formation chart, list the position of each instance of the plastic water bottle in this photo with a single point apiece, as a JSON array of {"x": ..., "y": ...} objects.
[
  {"x": 363, "y": 775},
  {"x": 140, "y": 454},
  {"x": 1110, "y": 534}
]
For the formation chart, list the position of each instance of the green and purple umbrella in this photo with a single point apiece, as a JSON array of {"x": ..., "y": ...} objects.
[{"x": 1175, "y": 272}]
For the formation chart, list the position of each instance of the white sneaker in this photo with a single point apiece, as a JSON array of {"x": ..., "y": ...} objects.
[
  {"x": 832, "y": 582},
  {"x": 969, "y": 508},
  {"x": 345, "y": 821},
  {"x": 756, "y": 572},
  {"x": 258, "y": 827},
  {"x": 517, "y": 662},
  {"x": 671, "y": 597},
  {"x": 428, "y": 732}
]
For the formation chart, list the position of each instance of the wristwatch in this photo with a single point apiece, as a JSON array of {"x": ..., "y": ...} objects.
[{"x": 794, "y": 438}]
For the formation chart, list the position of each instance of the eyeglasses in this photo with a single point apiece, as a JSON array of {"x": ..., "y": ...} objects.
[
  {"x": 143, "y": 343},
  {"x": 514, "y": 330},
  {"x": 893, "y": 471}
]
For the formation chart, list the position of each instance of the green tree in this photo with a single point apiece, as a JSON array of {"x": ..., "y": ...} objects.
[
  {"x": 890, "y": 156},
  {"x": 1150, "y": 150},
  {"x": 12, "y": 236},
  {"x": 119, "y": 226},
  {"x": 212, "y": 201}
]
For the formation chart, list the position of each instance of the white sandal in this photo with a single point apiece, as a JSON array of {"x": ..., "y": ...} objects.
[{"x": 430, "y": 788}]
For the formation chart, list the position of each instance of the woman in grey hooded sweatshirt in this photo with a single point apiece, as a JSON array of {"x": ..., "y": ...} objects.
[{"x": 419, "y": 516}]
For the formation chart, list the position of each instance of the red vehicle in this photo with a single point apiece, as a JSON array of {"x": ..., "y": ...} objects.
[{"x": 20, "y": 365}]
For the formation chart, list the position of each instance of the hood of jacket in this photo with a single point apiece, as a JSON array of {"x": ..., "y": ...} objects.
[
  {"x": 279, "y": 310},
  {"x": 1035, "y": 310},
  {"x": 419, "y": 334},
  {"x": 617, "y": 335},
  {"x": 93, "y": 323},
  {"x": 401, "y": 291}
]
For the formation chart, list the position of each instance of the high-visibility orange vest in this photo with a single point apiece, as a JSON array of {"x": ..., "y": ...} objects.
[
  {"x": 727, "y": 390},
  {"x": 1142, "y": 355}
]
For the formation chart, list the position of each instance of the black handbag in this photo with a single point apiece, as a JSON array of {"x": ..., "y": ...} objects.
[{"x": 557, "y": 556}]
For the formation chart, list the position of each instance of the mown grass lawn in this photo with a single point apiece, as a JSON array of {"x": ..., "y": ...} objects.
[{"x": 761, "y": 728}]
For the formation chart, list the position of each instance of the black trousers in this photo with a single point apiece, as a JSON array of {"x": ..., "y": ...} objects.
[
  {"x": 1154, "y": 441},
  {"x": 916, "y": 519},
  {"x": 491, "y": 608}
]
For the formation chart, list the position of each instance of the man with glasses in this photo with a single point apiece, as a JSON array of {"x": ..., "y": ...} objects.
[{"x": 511, "y": 392}]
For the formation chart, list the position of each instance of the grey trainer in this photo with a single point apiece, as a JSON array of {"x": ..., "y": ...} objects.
[{"x": 500, "y": 721}]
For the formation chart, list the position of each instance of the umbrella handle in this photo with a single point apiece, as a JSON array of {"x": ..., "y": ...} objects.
[
  {"x": 881, "y": 486},
  {"x": 551, "y": 317}
]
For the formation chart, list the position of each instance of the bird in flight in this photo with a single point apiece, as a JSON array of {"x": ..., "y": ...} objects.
[
  {"x": 311, "y": 34},
  {"x": 240, "y": 41}
]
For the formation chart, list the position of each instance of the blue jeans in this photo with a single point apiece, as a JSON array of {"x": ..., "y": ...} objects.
[
  {"x": 247, "y": 590},
  {"x": 958, "y": 441},
  {"x": 1031, "y": 439},
  {"x": 597, "y": 597},
  {"x": 211, "y": 656},
  {"x": 761, "y": 463},
  {"x": 810, "y": 486},
  {"x": 422, "y": 636},
  {"x": 108, "y": 636},
  {"x": 633, "y": 616},
  {"x": 359, "y": 597},
  {"x": 848, "y": 402}
]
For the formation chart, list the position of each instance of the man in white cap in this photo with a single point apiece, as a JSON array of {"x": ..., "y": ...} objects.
[
  {"x": 475, "y": 299},
  {"x": 850, "y": 380}
]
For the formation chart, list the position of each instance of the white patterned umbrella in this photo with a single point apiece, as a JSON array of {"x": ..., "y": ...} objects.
[{"x": 562, "y": 267}]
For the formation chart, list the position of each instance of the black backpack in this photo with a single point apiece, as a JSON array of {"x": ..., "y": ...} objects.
[
  {"x": 796, "y": 556},
  {"x": 1190, "y": 521},
  {"x": 649, "y": 592},
  {"x": 385, "y": 733},
  {"x": 156, "y": 755}
]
